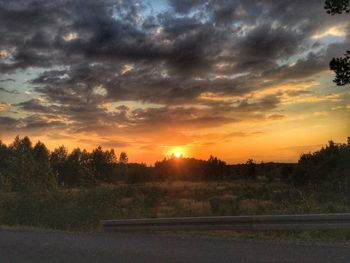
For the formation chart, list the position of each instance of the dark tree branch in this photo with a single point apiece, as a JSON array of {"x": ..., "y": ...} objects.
[
  {"x": 341, "y": 66},
  {"x": 337, "y": 6}
]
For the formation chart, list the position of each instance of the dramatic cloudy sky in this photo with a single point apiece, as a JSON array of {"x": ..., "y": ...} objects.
[{"x": 235, "y": 78}]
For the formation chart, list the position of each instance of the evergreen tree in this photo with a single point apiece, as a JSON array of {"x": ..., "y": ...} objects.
[
  {"x": 58, "y": 163},
  {"x": 5, "y": 182},
  {"x": 123, "y": 158},
  {"x": 43, "y": 177},
  {"x": 21, "y": 164}
]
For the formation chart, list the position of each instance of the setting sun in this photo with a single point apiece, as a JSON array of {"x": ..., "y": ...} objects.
[
  {"x": 142, "y": 116},
  {"x": 177, "y": 154},
  {"x": 156, "y": 96}
]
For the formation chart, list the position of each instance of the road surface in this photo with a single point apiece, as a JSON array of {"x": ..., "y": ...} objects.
[{"x": 33, "y": 246}]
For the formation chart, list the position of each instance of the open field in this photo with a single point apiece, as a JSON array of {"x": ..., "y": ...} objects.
[{"x": 81, "y": 209}]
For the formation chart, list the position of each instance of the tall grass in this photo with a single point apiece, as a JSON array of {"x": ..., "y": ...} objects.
[{"x": 82, "y": 209}]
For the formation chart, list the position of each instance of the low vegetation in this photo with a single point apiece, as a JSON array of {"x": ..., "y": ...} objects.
[{"x": 74, "y": 191}]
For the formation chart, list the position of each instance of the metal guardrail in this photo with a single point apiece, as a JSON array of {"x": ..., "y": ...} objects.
[{"x": 261, "y": 222}]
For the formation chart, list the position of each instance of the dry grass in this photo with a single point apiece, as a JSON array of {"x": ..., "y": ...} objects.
[{"x": 81, "y": 209}]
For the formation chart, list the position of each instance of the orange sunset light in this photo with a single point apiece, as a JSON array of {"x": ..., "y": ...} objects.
[
  {"x": 177, "y": 152},
  {"x": 250, "y": 90}
]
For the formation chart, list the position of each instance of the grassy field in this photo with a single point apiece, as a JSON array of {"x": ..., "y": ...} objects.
[{"x": 81, "y": 209}]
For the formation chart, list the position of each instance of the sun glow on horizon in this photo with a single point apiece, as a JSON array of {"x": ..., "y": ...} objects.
[{"x": 177, "y": 154}]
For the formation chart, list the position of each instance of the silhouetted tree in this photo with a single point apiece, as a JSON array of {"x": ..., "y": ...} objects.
[
  {"x": 5, "y": 182},
  {"x": 328, "y": 167},
  {"x": 337, "y": 6},
  {"x": 251, "y": 169},
  {"x": 101, "y": 164},
  {"x": 216, "y": 169},
  {"x": 21, "y": 164},
  {"x": 87, "y": 170},
  {"x": 58, "y": 162},
  {"x": 341, "y": 66},
  {"x": 43, "y": 177},
  {"x": 77, "y": 169},
  {"x": 23, "y": 167},
  {"x": 123, "y": 158}
]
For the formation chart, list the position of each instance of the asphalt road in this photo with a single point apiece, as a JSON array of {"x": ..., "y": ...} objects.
[{"x": 49, "y": 246}]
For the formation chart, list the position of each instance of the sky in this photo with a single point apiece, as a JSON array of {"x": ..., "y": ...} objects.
[{"x": 237, "y": 79}]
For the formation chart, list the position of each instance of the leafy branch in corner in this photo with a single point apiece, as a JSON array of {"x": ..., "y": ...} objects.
[
  {"x": 341, "y": 66},
  {"x": 337, "y": 6}
]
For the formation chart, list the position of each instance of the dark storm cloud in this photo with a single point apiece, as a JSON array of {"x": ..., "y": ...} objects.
[
  {"x": 184, "y": 6},
  {"x": 108, "y": 31},
  {"x": 305, "y": 67},
  {"x": 34, "y": 105},
  {"x": 34, "y": 30},
  {"x": 194, "y": 117},
  {"x": 30, "y": 124},
  {"x": 264, "y": 44},
  {"x": 102, "y": 52},
  {"x": 7, "y": 121},
  {"x": 38, "y": 122}
]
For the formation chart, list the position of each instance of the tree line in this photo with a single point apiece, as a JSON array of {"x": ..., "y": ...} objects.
[
  {"x": 329, "y": 167},
  {"x": 27, "y": 167},
  {"x": 24, "y": 166}
]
